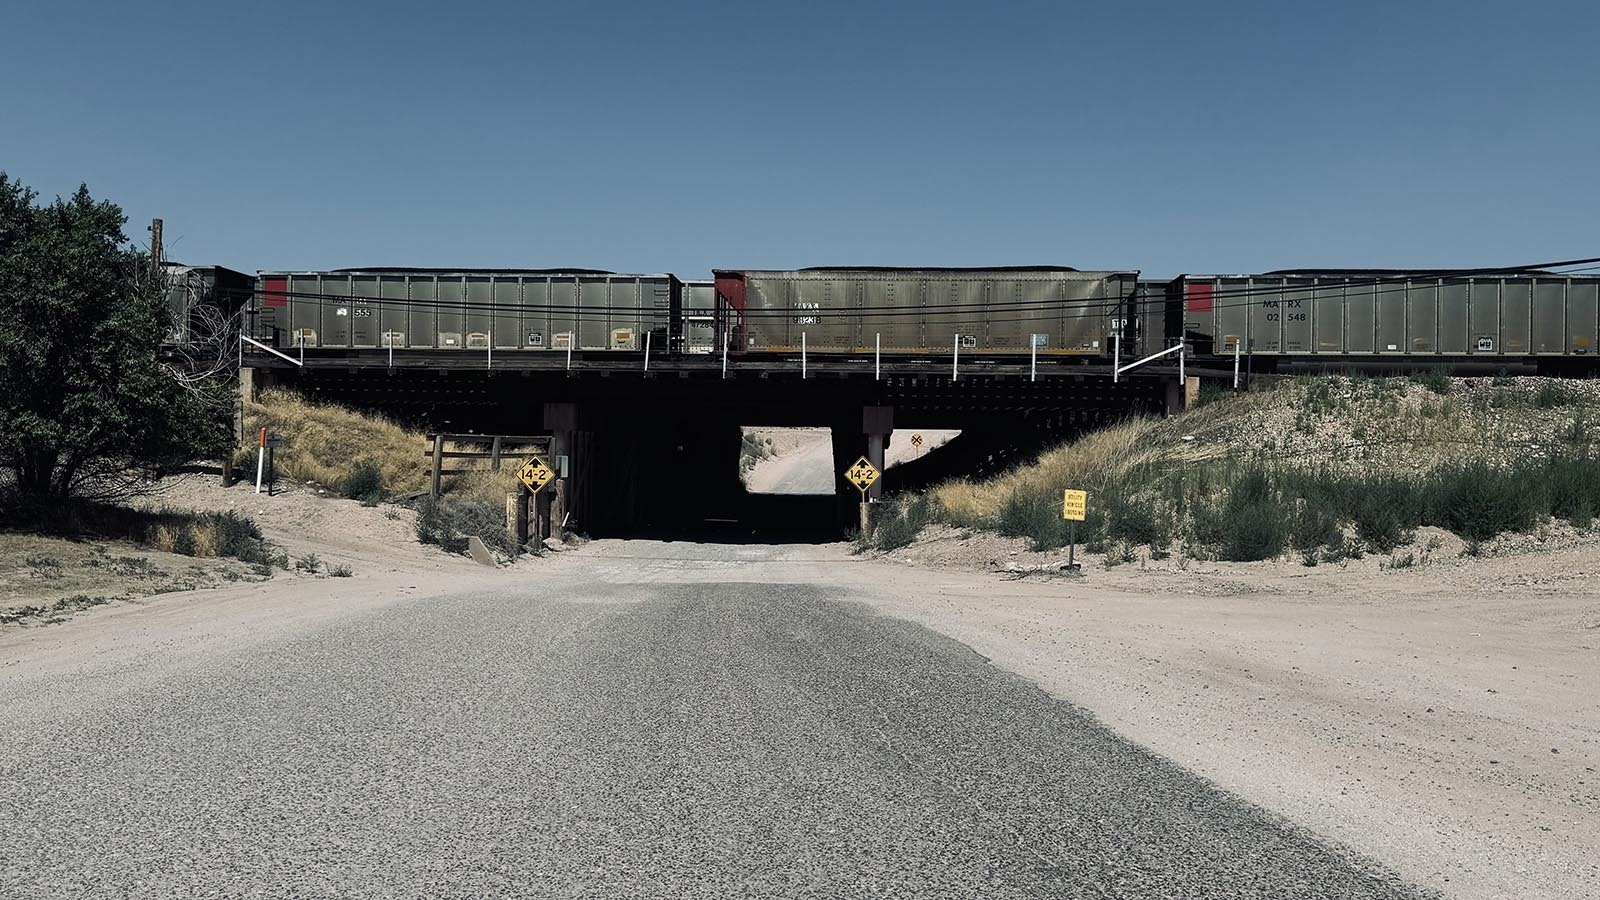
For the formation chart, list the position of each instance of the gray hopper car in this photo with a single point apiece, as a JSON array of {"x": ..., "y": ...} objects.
[
  {"x": 202, "y": 300},
  {"x": 451, "y": 309},
  {"x": 1015, "y": 311},
  {"x": 1387, "y": 314}
]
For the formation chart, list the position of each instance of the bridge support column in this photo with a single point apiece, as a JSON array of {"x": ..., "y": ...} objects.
[
  {"x": 871, "y": 441},
  {"x": 565, "y": 496}
]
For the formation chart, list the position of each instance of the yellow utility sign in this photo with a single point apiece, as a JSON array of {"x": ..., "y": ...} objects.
[
  {"x": 535, "y": 474},
  {"x": 1074, "y": 505},
  {"x": 862, "y": 474}
]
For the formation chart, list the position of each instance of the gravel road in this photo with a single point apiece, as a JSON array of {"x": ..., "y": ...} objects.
[{"x": 635, "y": 739}]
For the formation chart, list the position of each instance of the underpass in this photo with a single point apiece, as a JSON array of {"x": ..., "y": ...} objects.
[{"x": 653, "y": 448}]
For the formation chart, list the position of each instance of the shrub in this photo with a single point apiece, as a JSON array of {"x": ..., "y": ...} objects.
[
  {"x": 901, "y": 521},
  {"x": 1314, "y": 526},
  {"x": 1551, "y": 394},
  {"x": 1436, "y": 379},
  {"x": 1255, "y": 524},
  {"x": 308, "y": 563},
  {"x": 1478, "y": 502},
  {"x": 364, "y": 483},
  {"x": 448, "y": 522},
  {"x": 1035, "y": 516},
  {"x": 1131, "y": 518},
  {"x": 340, "y": 571}
]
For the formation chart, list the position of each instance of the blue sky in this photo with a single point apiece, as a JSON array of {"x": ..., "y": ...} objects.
[{"x": 677, "y": 137}]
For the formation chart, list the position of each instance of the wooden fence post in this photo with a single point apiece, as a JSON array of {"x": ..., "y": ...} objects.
[
  {"x": 494, "y": 454},
  {"x": 438, "y": 458}
]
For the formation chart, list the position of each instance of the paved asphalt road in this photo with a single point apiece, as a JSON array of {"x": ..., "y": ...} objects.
[{"x": 712, "y": 740}]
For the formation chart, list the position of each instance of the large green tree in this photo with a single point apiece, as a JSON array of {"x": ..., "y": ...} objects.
[{"x": 88, "y": 408}]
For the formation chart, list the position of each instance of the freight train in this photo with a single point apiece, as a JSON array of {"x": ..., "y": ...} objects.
[{"x": 1280, "y": 319}]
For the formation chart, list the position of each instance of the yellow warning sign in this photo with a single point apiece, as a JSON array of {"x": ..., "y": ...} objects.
[
  {"x": 916, "y": 440},
  {"x": 862, "y": 474},
  {"x": 1074, "y": 505},
  {"x": 535, "y": 474}
]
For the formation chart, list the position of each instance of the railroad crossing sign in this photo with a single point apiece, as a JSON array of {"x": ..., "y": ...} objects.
[
  {"x": 535, "y": 474},
  {"x": 916, "y": 440},
  {"x": 1074, "y": 505},
  {"x": 862, "y": 475}
]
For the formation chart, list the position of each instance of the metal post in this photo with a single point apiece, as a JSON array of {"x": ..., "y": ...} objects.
[
  {"x": 490, "y": 364},
  {"x": 261, "y": 460},
  {"x": 725, "y": 356},
  {"x": 1116, "y": 356},
  {"x": 647, "y": 335},
  {"x": 1236, "y": 345},
  {"x": 802, "y": 355},
  {"x": 1183, "y": 350},
  {"x": 1033, "y": 359},
  {"x": 877, "y": 357},
  {"x": 569, "y": 351},
  {"x": 388, "y": 338},
  {"x": 302, "y": 351},
  {"x": 955, "y": 355}
]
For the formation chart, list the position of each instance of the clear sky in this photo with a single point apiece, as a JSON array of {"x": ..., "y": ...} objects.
[{"x": 1196, "y": 137}]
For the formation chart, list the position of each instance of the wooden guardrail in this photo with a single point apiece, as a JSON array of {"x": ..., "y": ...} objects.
[{"x": 498, "y": 447}]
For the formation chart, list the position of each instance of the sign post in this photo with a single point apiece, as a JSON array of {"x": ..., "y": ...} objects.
[
  {"x": 261, "y": 460},
  {"x": 862, "y": 474},
  {"x": 916, "y": 443},
  {"x": 1074, "y": 509},
  {"x": 535, "y": 474}
]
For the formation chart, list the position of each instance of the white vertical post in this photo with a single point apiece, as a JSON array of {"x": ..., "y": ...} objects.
[
  {"x": 1183, "y": 383},
  {"x": 725, "y": 354},
  {"x": 802, "y": 355},
  {"x": 955, "y": 355},
  {"x": 647, "y": 335},
  {"x": 388, "y": 338},
  {"x": 261, "y": 459},
  {"x": 302, "y": 351},
  {"x": 877, "y": 357},
  {"x": 490, "y": 363},
  {"x": 241, "y": 346},
  {"x": 569, "y": 350},
  {"x": 1033, "y": 359},
  {"x": 1116, "y": 356},
  {"x": 1236, "y": 345}
]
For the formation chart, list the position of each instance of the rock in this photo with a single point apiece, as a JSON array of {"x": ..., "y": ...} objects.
[
  {"x": 551, "y": 543},
  {"x": 479, "y": 551}
]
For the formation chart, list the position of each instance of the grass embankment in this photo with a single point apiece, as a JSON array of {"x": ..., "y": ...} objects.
[
  {"x": 1327, "y": 468},
  {"x": 370, "y": 458}
]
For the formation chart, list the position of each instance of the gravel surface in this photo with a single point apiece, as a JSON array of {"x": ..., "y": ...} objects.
[{"x": 637, "y": 739}]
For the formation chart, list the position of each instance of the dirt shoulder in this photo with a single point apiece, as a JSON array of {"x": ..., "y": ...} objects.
[{"x": 1443, "y": 718}]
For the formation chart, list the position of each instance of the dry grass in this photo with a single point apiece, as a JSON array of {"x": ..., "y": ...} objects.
[
  {"x": 323, "y": 442},
  {"x": 1099, "y": 458}
]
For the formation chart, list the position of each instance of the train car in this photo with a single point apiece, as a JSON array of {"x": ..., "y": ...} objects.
[
  {"x": 699, "y": 317},
  {"x": 918, "y": 311},
  {"x": 1390, "y": 313},
  {"x": 455, "y": 309},
  {"x": 203, "y": 299}
]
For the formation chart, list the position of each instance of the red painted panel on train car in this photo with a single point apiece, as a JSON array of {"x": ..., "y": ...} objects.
[
  {"x": 1198, "y": 296},
  {"x": 275, "y": 292},
  {"x": 730, "y": 287}
]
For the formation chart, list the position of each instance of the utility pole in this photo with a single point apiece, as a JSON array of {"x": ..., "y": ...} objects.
[{"x": 155, "y": 244}]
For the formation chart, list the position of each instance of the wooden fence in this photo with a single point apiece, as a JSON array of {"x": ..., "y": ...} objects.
[{"x": 491, "y": 447}]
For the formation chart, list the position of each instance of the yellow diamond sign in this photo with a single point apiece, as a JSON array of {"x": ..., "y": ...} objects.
[
  {"x": 862, "y": 474},
  {"x": 535, "y": 474}
]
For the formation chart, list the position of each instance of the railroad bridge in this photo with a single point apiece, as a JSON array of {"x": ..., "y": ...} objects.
[{"x": 652, "y": 445}]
